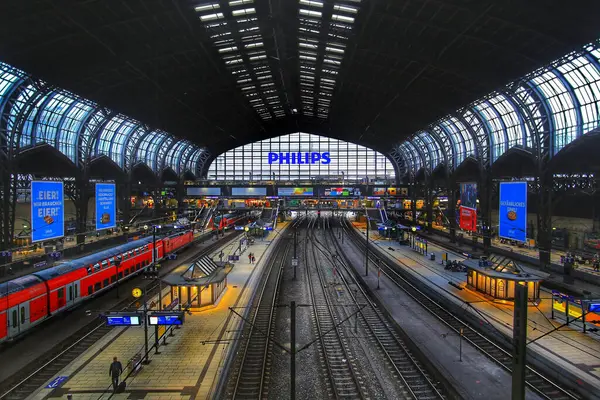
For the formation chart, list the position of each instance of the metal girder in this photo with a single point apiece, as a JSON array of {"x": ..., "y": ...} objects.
[{"x": 399, "y": 163}]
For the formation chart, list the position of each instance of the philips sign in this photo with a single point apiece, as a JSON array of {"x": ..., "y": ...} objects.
[{"x": 299, "y": 158}]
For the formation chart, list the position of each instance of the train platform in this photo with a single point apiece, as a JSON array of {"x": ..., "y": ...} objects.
[
  {"x": 186, "y": 367},
  {"x": 557, "y": 281},
  {"x": 573, "y": 355},
  {"x": 53, "y": 332}
]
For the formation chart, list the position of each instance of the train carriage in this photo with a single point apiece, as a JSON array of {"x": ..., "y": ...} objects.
[
  {"x": 23, "y": 304},
  {"x": 30, "y": 299}
]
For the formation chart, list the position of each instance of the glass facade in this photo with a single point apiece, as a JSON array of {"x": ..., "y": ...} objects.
[{"x": 348, "y": 160}]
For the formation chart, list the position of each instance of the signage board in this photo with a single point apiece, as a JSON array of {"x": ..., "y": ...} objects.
[
  {"x": 47, "y": 210},
  {"x": 295, "y": 191},
  {"x": 56, "y": 382},
  {"x": 468, "y": 195},
  {"x": 312, "y": 157},
  {"x": 122, "y": 319},
  {"x": 203, "y": 191},
  {"x": 513, "y": 211},
  {"x": 341, "y": 192},
  {"x": 294, "y": 262},
  {"x": 249, "y": 191},
  {"x": 106, "y": 206},
  {"x": 467, "y": 219},
  {"x": 172, "y": 318}
]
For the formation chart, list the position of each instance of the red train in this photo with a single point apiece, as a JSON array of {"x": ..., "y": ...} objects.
[
  {"x": 227, "y": 221},
  {"x": 31, "y": 299}
]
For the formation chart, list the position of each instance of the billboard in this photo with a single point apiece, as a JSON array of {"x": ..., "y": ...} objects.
[
  {"x": 295, "y": 191},
  {"x": 106, "y": 206},
  {"x": 467, "y": 219},
  {"x": 249, "y": 191},
  {"x": 341, "y": 192},
  {"x": 204, "y": 191},
  {"x": 513, "y": 211},
  {"x": 47, "y": 210},
  {"x": 468, "y": 195}
]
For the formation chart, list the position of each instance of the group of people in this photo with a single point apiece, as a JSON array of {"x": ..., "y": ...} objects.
[{"x": 251, "y": 258}]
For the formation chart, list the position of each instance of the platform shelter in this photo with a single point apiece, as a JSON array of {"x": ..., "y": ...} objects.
[
  {"x": 498, "y": 280},
  {"x": 199, "y": 283}
]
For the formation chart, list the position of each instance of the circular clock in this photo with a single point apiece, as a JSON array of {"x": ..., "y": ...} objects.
[{"x": 136, "y": 292}]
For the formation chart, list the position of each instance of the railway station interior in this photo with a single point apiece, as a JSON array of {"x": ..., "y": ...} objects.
[{"x": 299, "y": 199}]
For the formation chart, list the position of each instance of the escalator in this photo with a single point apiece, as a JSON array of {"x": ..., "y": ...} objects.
[{"x": 374, "y": 215}]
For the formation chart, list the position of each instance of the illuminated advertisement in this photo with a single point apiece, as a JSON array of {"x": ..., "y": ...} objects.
[
  {"x": 249, "y": 191},
  {"x": 391, "y": 191},
  {"x": 467, "y": 219},
  {"x": 513, "y": 210},
  {"x": 299, "y": 158},
  {"x": 47, "y": 210},
  {"x": 295, "y": 191},
  {"x": 204, "y": 191},
  {"x": 106, "y": 206},
  {"x": 341, "y": 192},
  {"x": 468, "y": 195}
]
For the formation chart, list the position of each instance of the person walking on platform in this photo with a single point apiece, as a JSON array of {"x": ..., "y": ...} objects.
[
  {"x": 250, "y": 258},
  {"x": 114, "y": 371},
  {"x": 253, "y": 259}
]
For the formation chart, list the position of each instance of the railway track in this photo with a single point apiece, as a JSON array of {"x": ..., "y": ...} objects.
[
  {"x": 30, "y": 378},
  {"x": 251, "y": 370},
  {"x": 339, "y": 362},
  {"x": 503, "y": 357},
  {"x": 416, "y": 381}
]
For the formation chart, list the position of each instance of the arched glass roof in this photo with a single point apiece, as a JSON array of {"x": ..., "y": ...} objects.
[
  {"x": 33, "y": 113},
  {"x": 561, "y": 99}
]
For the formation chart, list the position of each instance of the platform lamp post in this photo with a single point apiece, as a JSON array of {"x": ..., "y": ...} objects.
[{"x": 367, "y": 250}]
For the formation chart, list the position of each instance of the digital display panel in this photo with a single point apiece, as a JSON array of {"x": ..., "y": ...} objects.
[
  {"x": 295, "y": 191},
  {"x": 166, "y": 319},
  {"x": 249, "y": 191},
  {"x": 123, "y": 320},
  {"x": 341, "y": 192},
  {"x": 513, "y": 211},
  {"x": 106, "y": 206},
  {"x": 468, "y": 195},
  {"x": 47, "y": 210},
  {"x": 204, "y": 191}
]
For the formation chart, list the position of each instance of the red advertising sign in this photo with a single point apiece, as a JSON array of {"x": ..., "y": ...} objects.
[{"x": 468, "y": 219}]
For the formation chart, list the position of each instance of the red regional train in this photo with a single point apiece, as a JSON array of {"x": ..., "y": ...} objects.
[
  {"x": 227, "y": 221},
  {"x": 31, "y": 299}
]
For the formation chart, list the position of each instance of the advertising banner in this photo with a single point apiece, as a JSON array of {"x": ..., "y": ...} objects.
[
  {"x": 390, "y": 191},
  {"x": 204, "y": 191},
  {"x": 513, "y": 211},
  {"x": 295, "y": 191},
  {"x": 249, "y": 191},
  {"x": 341, "y": 192},
  {"x": 106, "y": 206},
  {"x": 468, "y": 195},
  {"x": 468, "y": 219},
  {"x": 47, "y": 210}
]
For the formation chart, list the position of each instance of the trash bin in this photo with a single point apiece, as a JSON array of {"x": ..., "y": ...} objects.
[{"x": 432, "y": 256}]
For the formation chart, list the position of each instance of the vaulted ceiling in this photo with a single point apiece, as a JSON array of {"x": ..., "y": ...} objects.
[{"x": 225, "y": 73}]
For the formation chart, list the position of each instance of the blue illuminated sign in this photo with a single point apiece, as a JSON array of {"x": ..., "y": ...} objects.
[
  {"x": 47, "y": 210},
  {"x": 513, "y": 210},
  {"x": 300, "y": 158},
  {"x": 123, "y": 320},
  {"x": 593, "y": 307},
  {"x": 165, "y": 319},
  {"x": 56, "y": 382},
  {"x": 106, "y": 206}
]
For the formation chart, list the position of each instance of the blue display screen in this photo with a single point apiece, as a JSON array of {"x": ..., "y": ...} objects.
[
  {"x": 513, "y": 210},
  {"x": 106, "y": 206},
  {"x": 47, "y": 210},
  {"x": 165, "y": 319},
  {"x": 123, "y": 320},
  {"x": 594, "y": 307}
]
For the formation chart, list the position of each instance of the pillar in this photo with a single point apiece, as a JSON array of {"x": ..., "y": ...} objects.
[
  {"x": 544, "y": 217},
  {"x": 452, "y": 209}
]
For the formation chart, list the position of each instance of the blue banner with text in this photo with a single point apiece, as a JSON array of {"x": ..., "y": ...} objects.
[
  {"x": 47, "y": 210},
  {"x": 106, "y": 206},
  {"x": 513, "y": 210}
]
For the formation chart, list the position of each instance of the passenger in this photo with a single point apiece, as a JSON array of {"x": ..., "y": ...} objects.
[
  {"x": 250, "y": 258},
  {"x": 114, "y": 371},
  {"x": 253, "y": 259}
]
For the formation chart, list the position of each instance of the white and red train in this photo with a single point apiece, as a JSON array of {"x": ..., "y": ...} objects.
[
  {"x": 227, "y": 221},
  {"x": 31, "y": 299}
]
